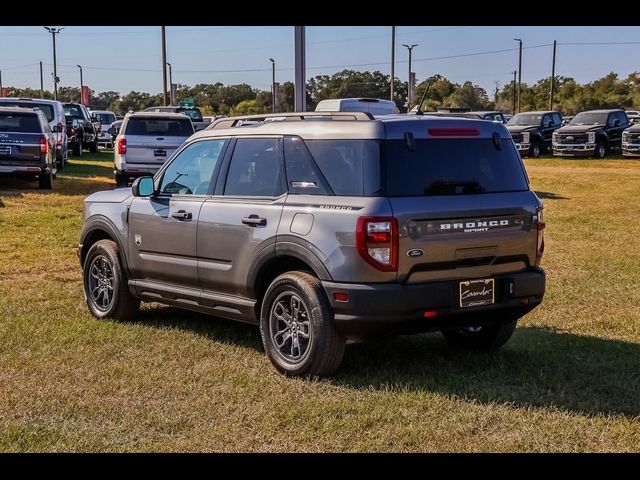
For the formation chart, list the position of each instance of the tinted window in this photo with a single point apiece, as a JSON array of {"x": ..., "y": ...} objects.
[
  {"x": 255, "y": 168},
  {"x": 557, "y": 119},
  {"x": 525, "y": 119},
  {"x": 190, "y": 172},
  {"x": 622, "y": 117},
  {"x": 105, "y": 118},
  {"x": 192, "y": 113},
  {"x": 587, "y": 118},
  {"x": 73, "y": 111},
  {"x": 17, "y": 122},
  {"x": 350, "y": 166},
  {"x": 451, "y": 167},
  {"x": 303, "y": 175},
  {"x": 152, "y": 126},
  {"x": 45, "y": 107}
]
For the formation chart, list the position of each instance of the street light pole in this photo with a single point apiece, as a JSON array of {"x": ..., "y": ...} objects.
[
  {"x": 393, "y": 58},
  {"x": 513, "y": 108},
  {"x": 81, "y": 83},
  {"x": 273, "y": 85},
  {"x": 409, "y": 47},
  {"x": 170, "y": 85},
  {"x": 164, "y": 65},
  {"x": 519, "y": 70},
  {"x": 41, "y": 82},
  {"x": 54, "y": 32}
]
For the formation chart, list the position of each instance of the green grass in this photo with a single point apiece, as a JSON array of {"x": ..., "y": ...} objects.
[{"x": 569, "y": 380}]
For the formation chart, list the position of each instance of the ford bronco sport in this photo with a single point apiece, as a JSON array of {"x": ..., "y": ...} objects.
[{"x": 322, "y": 227}]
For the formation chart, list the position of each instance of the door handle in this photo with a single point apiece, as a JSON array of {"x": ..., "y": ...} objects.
[
  {"x": 254, "y": 221},
  {"x": 182, "y": 215}
]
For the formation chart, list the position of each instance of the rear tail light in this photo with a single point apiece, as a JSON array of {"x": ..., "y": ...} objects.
[
  {"x": 122, "y": 146},
  {"x": 44, "y": 145},
  {"x": 540, "y": 225},
  {"x": 377, "y": 242}
]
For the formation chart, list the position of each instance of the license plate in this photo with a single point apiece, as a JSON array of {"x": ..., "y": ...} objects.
[
  {"x": 474, "y": 293},
  {"x": 160, "y": 153},
  {"x": 5, "y": 150}
]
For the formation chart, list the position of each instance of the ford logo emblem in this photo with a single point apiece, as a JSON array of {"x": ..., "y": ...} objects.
[
  {"x": 569, "y": 138},
  {"x": 415, "y": 252}
]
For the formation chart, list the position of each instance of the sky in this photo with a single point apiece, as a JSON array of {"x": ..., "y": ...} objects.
[{"x": 125, "y": 58}]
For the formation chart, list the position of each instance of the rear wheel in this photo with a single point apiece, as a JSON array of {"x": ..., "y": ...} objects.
[
  {"x": 60, "y": 161},
  {"x": 77, "y": 148},
  {"x": 481, "y": 337},
  {"x": 601, "y": 150},
  {"x": 93, "y": 147},
  {"x": 105, "y": 283},
  {"x": 297, "y": 327},
  {"x": 121, "y": 181},
  {"x": 45, "y": 181}
]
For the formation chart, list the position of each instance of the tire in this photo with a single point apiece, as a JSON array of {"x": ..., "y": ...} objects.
[
  {"x": 486, "y": 337},
  {"x": 121, "y": 181},
  {"x": 105, "y": 283},
  {"x": 601, "y": 150},
  {"x": 93, "y": 147},
  {"x": 77, "y": 148},
  {"x": 45, "y": 181},
  {"x": 534, "y": 150},
  {"x": 60, "y": 162},
  {"x": 317, "y": 355}
]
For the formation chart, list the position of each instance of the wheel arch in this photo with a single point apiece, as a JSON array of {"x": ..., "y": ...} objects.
[{"x": 100, "y": 228}]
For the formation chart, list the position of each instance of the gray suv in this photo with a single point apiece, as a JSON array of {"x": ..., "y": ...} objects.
[{"x": 326, "y": 227}]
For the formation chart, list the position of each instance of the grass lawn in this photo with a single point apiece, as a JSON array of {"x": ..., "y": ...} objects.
[{"x": 569, "y": 380}]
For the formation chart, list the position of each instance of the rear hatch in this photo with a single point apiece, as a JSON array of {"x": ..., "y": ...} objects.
[
  {"x": 20, "y": 137},
  {"x": 463, "y": 206},
  {"x": 151, "y": 140}
]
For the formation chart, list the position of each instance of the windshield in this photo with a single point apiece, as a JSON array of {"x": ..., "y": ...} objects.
[
  {"x": 19, "y": 122},
  {"x": 153, "y": 126},
  {"x": 105, "y": 118},
  {"x": 526, "y": 119},
  {"x": 451, "y": 167},
  {"x": 45, "y": 107},
  {"x": 589, "y": 119}
]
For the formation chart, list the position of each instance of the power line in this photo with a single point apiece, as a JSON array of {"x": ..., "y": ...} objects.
[{"x": 598, "y": 43}]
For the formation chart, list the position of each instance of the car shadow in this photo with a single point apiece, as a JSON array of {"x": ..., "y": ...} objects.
[
  {"x": 63, "y": 185},
  {"x": 550, "y": 196},
  {"x": 537, "y": 368}
]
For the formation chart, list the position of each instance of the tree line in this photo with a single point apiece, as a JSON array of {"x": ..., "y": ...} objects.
[{"x": 241, "y": 99}]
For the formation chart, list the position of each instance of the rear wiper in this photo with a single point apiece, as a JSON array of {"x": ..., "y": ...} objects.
[{"x": 440, "y": 187}]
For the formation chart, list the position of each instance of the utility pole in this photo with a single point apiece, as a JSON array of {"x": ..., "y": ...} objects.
[
  {"x": 495, "y": 95},
  {"x": 54, "y": 32},
  {"x": 409, "y": 47},
  {"x": 300, "y": 83},
  {"x": 519, "y": 70},
  {"x": 164, "y": 65},
  {"x": 393, "y": 58},
  {"x": 553, "y": 76},
  {"x": 171, "y": 99},
  {"x": 81, "y": 82},
  {"x": 513, "y": 109},
  {"x": 41, "y": 82},
  {"x": 273, "y": 85}
]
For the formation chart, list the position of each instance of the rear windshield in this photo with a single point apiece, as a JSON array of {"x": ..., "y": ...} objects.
[
  {"x": 73, "y": 111},
  {"x": 192, "y": 113},
  {"x": 451, "y": 167},
  {"x": 105, "y": 118},
  {"x": 45, "y": 107},
  {"x": 152, "y": 126},
  {"x": 19, "y": 122}
]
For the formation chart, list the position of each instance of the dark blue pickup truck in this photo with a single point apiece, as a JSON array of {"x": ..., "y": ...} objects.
[{"x": 27, "y": 145}]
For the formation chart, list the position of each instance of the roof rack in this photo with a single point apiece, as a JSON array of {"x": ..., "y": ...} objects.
[{"x": 231, "y": 122}]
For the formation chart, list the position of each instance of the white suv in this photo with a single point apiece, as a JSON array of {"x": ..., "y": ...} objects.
[{"x": 106, "y": 117}]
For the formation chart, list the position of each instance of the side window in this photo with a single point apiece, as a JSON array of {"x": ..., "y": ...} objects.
[
  {"x": 303, "y": 176},
  {"x": 255, "y": 168},
  {"x": 611, "y": 119},
  {"x": 557, "y": 119},
  {"x": 624, "y": 120},
  {"x": 191, "y": 171}
]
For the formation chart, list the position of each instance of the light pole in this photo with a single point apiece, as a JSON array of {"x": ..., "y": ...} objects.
[
  {"x": 409, "y": 47},
  {"x": 170, "y": 84},
  {"x": 519, "y": 40},
  {"x": 393, "y": 60},
  {"x": 81, "y": 83},
  {"x": 164, "y": 66},
  {"x": 54, "y": 31},
  {"x": 273, "y": 85}
]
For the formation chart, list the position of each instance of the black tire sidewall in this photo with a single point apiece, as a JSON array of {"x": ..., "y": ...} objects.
[
  {"x": 108, "y": 249},
  {"x": 315, "y": 306},
  {"x": 532, "y": 150},
  {"x": 598, "y": 147}
]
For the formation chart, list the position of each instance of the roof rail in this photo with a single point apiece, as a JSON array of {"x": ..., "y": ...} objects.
[{"x": 231, "y": 122}]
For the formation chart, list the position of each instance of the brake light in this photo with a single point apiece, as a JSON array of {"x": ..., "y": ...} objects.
[
  {"x": 377, "y": 242},
  {"x": 453, "y": 132},
  {"x": 44, "y": 145},
  {"x": 122, "y": 146},
  {"x": 540, "y": 226}
]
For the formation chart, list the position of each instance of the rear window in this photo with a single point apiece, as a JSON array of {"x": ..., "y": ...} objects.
[
  {"x": 451, "y": 167},
  {"x": 192, "y": 113},
  {"x": 45, "y": 107},
  {"x": 23, "y": 123},
  {"x": 152, "y": 126},
  {"x": 105, "y": 118}
]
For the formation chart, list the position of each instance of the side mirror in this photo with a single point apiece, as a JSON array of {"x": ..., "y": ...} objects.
[{"x": 143, "y": 187}]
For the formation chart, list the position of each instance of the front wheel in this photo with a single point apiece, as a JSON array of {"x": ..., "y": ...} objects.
[
  {"x": 105, "y": 283},
  {"x": 297, "y": 327},
  {"x": 601, "y": 150},
  {"x": 481, "y": 337},
  {"x": 534, "y": 150}
]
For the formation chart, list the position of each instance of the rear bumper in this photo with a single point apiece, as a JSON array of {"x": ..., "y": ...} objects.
[
  {"x": 24, "y": 167},
  {"x": 137, "y": 170},
  {"x": 390, "y": 307}
]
